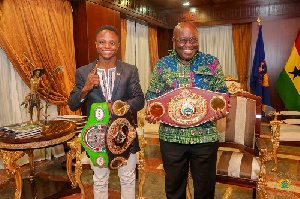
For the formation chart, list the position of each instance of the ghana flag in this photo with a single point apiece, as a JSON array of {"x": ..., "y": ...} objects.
[{"x": 288, "y": 83}]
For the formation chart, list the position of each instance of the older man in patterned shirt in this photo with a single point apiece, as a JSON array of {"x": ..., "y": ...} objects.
[{"x": 194, "y": 147}]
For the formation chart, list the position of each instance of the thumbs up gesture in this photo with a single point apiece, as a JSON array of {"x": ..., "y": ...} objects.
[{"x": 92, "y": 81}]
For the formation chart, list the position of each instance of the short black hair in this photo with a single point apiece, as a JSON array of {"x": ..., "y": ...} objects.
[{"x": 108, "y": 27}]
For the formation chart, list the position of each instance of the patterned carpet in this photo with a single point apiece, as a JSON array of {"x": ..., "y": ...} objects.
[{"x": 283, "y": 184}]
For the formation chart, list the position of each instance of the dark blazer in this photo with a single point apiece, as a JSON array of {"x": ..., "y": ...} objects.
[{"x": 126, "y": 88}]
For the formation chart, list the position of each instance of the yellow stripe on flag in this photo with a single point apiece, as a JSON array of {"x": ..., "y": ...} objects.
[{"x": 294, "y": 61}]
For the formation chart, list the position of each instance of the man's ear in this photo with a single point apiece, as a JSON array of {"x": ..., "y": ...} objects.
[{"x": 173, "y": 39}]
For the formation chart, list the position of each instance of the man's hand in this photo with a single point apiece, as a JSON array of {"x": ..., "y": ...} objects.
[
  {"x": 151, "y": 119},
  {"x": 219, "y": 114},
  {"x": 92, "y": 80}
]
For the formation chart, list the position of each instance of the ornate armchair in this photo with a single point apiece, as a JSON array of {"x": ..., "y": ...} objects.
[
  {"x": 238, "y": 161},
  {"x": 285, "y": 131}
]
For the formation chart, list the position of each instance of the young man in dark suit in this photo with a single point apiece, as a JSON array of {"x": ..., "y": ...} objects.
[{"x": 106, "y": 80}]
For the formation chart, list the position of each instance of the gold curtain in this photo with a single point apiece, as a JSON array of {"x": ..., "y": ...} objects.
[
  {"x": 153, "y": 46},
  {"x": 241, "y": 36},
  {"x": 123, "y": 37},
  {"x": 43, "y": 30}
]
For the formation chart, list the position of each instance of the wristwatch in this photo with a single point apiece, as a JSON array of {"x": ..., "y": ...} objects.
[{"x": 93, "y": 134}]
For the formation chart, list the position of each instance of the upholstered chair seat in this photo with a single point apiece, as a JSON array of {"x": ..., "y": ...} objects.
[{"x": 238, "y": 165}]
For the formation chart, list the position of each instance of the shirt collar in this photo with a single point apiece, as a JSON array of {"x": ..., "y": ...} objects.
[{"x": 175, "y": 57}]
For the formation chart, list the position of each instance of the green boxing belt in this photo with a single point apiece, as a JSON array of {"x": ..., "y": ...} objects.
[{"x": 93, "y": 134}]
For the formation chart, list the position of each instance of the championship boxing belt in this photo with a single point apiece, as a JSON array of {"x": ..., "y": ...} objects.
[
  {"x": 120, "y": 135},
  {"x": 187, "y": 107},
  {"x": 93, "y": 134}
]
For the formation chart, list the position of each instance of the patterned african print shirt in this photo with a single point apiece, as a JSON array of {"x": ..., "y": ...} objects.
[{"x": 203, "y": 71}]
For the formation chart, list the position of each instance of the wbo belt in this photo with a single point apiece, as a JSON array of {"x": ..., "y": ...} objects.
[{"x": 188, "y": 106}]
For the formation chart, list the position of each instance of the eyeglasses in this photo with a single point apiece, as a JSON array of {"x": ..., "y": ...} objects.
[{"x": 191, "y": 40}]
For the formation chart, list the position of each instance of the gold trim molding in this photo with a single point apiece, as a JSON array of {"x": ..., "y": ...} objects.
[{"x": 41, "y": 144}]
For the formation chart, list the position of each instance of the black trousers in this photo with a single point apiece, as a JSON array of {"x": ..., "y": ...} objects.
[{"x": 201, "y": 158}]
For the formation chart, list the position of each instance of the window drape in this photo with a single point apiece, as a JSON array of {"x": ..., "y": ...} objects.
[
  {"x": 217, "y": 41},
  {"x": 43, "y": 30},
  {"x": 137, "y": 51},
  {"x": 130, "y": 43},
  {"x": 153, "y": 46},
  {"x": 241, "y": 36},
  {"x": 142, "y": 56}
]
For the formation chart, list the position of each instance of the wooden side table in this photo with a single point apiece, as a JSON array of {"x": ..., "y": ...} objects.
[{"x": 58, "y": 132}]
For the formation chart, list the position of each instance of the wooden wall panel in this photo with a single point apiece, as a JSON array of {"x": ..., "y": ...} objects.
[
  {"x": 80, "y": 32},
  {"x": 88, "y": 18},
  {"x": 164, "y": 40},
  {"x": 98, "y": 16},
  {"x": 279, "y": 37}
]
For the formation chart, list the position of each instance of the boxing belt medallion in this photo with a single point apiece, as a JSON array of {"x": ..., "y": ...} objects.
[
  {"x": 188, "y": 106},
  {"x": 120, "y": 135},
  {"x": 93, "y": 134}
]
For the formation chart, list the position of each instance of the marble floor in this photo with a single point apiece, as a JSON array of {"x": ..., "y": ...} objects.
[{"x": 51, "y": 177}]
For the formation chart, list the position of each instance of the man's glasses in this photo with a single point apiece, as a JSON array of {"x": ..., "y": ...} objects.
[{"x": 191, "y": 40}]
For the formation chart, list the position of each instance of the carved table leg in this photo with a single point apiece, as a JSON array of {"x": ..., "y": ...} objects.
[
  {"x": 75, "y": 152},
  {"x": 262, "y": 182},
  {"x": 32, "y": 172},
  {"x": 141, "y": 165},
  {"x": 275, "y": 158},
  {"x": 9, "y": 162},
  {"x": 31, "y": 163},
  {"x": 275, "y": 140}
]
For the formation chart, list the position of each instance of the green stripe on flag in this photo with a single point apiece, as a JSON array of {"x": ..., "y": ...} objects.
[{"x": 288, "y": 92}]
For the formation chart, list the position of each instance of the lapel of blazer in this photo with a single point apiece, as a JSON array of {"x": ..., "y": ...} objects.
[
  {"x": 97, "y": 90},
  {"x": 117, "y": 79}
]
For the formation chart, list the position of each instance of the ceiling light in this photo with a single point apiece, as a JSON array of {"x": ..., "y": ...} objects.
[{"x": 186, "y": 3}]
